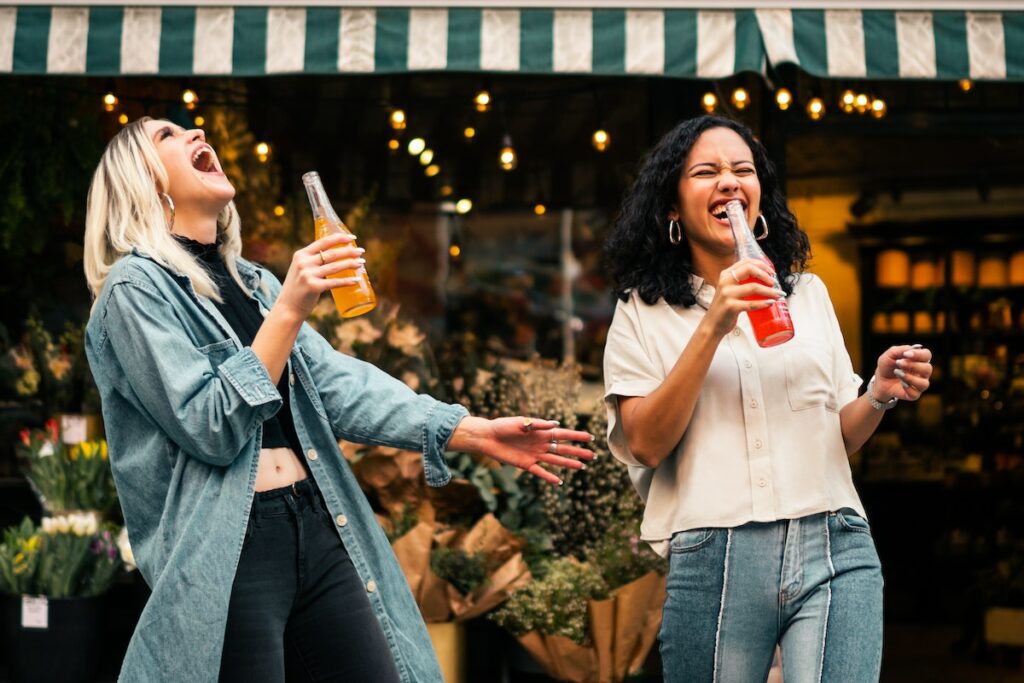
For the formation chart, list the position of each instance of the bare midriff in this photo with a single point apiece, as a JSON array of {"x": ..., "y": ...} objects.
[{"x": 277, "y": 468}]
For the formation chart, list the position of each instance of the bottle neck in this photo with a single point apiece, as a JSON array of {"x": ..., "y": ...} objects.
[
  {"x": 318, "y": 200},
  {"x": 746, "y": 245}
]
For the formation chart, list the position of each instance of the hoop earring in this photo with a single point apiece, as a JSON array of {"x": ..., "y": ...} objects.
[
  {"x": 764, "y": 221},
  {"x": 170, "y": 205},
  {"x": 675, "y": 231}
]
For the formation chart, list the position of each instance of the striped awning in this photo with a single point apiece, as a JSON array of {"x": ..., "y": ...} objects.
[{"x": 176, "y": 40}]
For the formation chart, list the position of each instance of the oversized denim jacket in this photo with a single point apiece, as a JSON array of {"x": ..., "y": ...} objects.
[{"x": 183, "y": 404}]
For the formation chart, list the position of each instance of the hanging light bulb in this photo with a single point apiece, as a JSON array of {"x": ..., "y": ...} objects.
[
  {"x": 469, "y": 132},
  {"x": 539, "y": 209},
  {"x": 709, "y": 102},
  {"x": 190, "y": 98},
  {"x": 463, "y": 206},
  {"x": 455, "y": 250},
  {"x": 397, "y": 119},
  {"x": 279, "y": 210},
  {"x": 862, "y": 102},
  {"x": 432, "y": 170},
  {"x": 600, "y": 139},
  {"x": 966, "y": 84},
  {"x": 783, "y": 98},
  {"x": 110, "y": 101},
  {"x": 507, "y": 159},
  {"x": 394, "y": 144},
  {"x": 426, "y": 156},
  {"x": 200, "y": 122},
  {"x": 416, "y": 146},
  {"x": 447, "y": 190},
  {"x": 123, "y": 119},
  {"x": 262, "y": 151},
  {"x": 482, "y": 100},
  {"x": 740, "y": 98},
  {"x": 816, "y": 108},
  {"x": 878, "y": 108},
  {"x": 848, "y": 101}
]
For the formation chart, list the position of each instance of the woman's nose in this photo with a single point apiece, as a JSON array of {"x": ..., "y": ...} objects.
[
  {"x": 196, "y": 133},
  {"x": 728, "y": 183}
]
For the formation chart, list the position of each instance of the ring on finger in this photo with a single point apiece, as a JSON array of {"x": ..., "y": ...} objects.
[
  {"x": 527, "y": 424},
  {"x": 322, "y": 261},
  {"x": 553, "y": 447}
]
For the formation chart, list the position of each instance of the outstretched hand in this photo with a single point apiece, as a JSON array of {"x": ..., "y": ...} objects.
[{"x": 524, "y": 443}]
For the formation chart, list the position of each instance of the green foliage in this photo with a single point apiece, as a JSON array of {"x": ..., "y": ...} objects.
[
  {"x": 67, "y": 478},
  {"x": 465, "y": 571},
  {"x": 403, "y": 523}
]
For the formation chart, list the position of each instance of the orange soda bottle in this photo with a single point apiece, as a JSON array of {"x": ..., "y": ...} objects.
[
  {"x": 355, "y": 299},
  {"x": 772, "y": 326}
]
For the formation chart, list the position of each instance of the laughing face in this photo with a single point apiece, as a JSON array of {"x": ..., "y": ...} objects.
[
  {"x": 719, "y": 167},
  {"x": 196, "y": 182}
]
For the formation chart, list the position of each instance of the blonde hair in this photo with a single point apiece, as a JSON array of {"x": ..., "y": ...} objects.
[{"x": 124, "y": 211}]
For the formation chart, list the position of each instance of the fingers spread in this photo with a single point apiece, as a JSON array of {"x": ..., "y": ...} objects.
[{"x": 539, "y": 471}]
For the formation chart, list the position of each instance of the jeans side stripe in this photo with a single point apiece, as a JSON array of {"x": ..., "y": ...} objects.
[
  {"x": 721, "y": 606},
  {"x": 828, "y": 601}
]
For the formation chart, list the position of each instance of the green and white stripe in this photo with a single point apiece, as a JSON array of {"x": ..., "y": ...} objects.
[{"x": 175, "y": 40}]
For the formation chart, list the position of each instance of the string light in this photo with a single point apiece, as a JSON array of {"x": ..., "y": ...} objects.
[
  {"x": 482, "y": 101},
  {"x": 110, "y": 101},
  {"x": 816, "y": 108},
  {"x": 447, "y": 190},
  {"x": 397, "y": 119},
  {"x": 600, "y": 139},
  {"x": 190, "y": 98},
  {"x": 455, "y": 250},
  {"x": 508, "y": 159},
  {"x": 279, "y": 210},
  {"x": 740, "y": 98},
  {"x": 426, "y": 157},
  {"x": 878, "y": 108},
  {"x": 469, "y": 132},
  {"x": 783, "y": 98},
  {"x": 463, "y": 206},
  {"x": 262, "y": 151},
  {"x": 200, "y": 122},
  {"x": 709, "y": 102},
  {"x": 862, "y": 103},
  {"x": 539, "y": 209},
  {"x": 123, "y": 119},
  {"x": 394, "y": 144},
  {"x": 847, "y": 101},
  {"x": 416, "y": 146},
  {"x": 966, "y": 84},
  {"x": 432, "y": 170}
]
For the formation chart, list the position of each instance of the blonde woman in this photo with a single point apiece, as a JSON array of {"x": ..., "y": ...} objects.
[{"x": 223, "y": 412}]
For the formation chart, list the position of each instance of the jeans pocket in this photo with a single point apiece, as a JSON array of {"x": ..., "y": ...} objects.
[
  {"x": 850, "y": 520},
  {"x": 691, "y": 540}
]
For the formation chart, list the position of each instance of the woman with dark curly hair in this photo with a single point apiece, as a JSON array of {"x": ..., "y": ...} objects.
[{"x": 740, "y": 452}]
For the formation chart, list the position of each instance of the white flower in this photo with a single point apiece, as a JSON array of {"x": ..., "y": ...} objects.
[
  {"x": 46, "y": 449},
  {"x": 407, "y": 337},
  {"x": 357, "y": 331},
  {"x": 83, "y": 523},
  {"x": 49, "y": 526},
  {"x": 127, "y": 556}
]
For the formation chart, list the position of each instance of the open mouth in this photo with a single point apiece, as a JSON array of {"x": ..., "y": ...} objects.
[
  {"x": 717, "y": 210},
  {"x": 204, "y": 160}
]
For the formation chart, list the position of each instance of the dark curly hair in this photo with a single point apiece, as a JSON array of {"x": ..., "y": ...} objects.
[{"x": 638, "y": 250}]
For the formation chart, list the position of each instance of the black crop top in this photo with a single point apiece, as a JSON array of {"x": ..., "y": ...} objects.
[{"x": 242, "y": 313}]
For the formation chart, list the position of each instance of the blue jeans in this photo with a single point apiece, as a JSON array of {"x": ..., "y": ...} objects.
[{"x": 811, "y": 585}]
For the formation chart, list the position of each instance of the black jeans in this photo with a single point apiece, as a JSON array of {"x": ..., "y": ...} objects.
[{"x": 298, "y": 610}]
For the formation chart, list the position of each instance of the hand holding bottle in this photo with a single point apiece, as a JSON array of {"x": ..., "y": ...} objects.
[
  {"x": 743, "y": 287},
  {"x": 314, "y": 270}
]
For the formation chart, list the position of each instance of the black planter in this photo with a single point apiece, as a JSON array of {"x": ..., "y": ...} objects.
[{"x": 66, "y": 651}]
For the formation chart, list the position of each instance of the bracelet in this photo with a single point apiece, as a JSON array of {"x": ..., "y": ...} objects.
[{"x": 874, "y": 402}]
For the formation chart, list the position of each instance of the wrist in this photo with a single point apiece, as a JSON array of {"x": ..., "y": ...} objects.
[
  {"x": 469, "y": 434},
  {"x": 878, "y": 400}
]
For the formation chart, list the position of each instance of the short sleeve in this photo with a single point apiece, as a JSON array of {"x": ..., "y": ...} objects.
[
  {"x": 628, "y": 371},
  {"x": 846, "y": 381}
]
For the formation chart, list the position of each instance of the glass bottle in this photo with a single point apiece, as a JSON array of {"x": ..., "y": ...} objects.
[
  {"x": 772, "y": 326},
  {"x": 356, "y": 299}
]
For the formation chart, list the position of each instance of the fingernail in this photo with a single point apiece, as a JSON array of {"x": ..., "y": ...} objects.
[
  {"x": 592, "y": 437},
  {"x": 360, "y": 260},
  {"x": 360, "y": 250},
  {"x": 560, "y": 482},
  {"x": 916, "y": 346},
  {"x": 904, "y": 383},
  {"x": 899, "y": 373},
  {"x": 908, "y": 354},
  {"x": 557, "y": 423},
  {"x": 583, "y": 467},
  {"x": 900, "y": 363}
]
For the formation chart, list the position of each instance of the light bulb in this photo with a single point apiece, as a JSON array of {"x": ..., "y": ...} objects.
[
  {"x": 966, "y": 84},
  {"x": 783, "y": 98},
  {"x": 469, "y": 132},
  {"x": 279, "y": 210},
  {"x": 740, "y": 98},
  {"x": 847, "y": 101},
  {"x": 862, "y": 103},
  {"x": 110, "y": 101},
  {"x": 426, "y": 157},
  {"x": 416, "y": 146},
  {"x": 508, "y": 159},
  {"x": 816, "y": 108},
  {"x": 190, "y": 98},
  {"x": 123, "y": 119},
  {"x": 878, "y": 108},
  {"x": 455, "y": 250},
  {"x": 397, "y": 119},
  {"x": 394, "y": 144},
  {"x": 601, "y": 140},
  {"x": 200, "y": 122},
  {"x": 482, "y": 101},
  {"x": 540, "y": 209},
  {"x": 447, "y": 190},
  {"x": 463, "y": 206},
  {"x": 432, "y": 170},
  {"x": 709, "y": 102},
  {"x": 262, "y": 151}
]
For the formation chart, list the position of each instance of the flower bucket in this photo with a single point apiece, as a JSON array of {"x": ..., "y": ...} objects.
[{"x": 51, "y": 639}]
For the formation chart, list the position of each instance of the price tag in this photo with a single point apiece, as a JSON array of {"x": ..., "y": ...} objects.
[
  {"x": 35, "y": 612},
  {"x": 74, "y": 428}
]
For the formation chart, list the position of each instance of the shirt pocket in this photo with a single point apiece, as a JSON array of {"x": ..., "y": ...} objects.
[
  {"x": 809, "y": 374},
  {"x": 218, "y": 352}
]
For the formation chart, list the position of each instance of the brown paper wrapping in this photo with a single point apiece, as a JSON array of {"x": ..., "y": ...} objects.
[
  {"x": 391, "y": 478},
  {"x": 622, "y": 632}
]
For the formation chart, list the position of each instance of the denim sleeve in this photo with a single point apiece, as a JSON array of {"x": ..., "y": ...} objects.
[
  {"x": 209, "y": 412},
  {"x": 366, "y": 405}
]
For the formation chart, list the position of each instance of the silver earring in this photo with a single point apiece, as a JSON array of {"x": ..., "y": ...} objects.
[
  {"x": 675, "y": 231},
  {"x": 764, "y": 221},
  {"x": 170, "y": 205}
]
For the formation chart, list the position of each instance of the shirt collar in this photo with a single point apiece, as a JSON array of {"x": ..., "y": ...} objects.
[{"x": 703, "y": 291}]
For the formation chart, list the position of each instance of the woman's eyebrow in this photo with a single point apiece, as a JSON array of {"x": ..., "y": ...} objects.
[
  {"x": 713, "y": 165},
  {"x": 167, "y": 128}
]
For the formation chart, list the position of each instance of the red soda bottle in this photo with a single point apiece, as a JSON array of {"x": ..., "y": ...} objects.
[{"x": 772, "y": 326}]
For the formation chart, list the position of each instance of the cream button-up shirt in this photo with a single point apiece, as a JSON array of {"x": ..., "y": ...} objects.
[{"x": 764, "y": 442}]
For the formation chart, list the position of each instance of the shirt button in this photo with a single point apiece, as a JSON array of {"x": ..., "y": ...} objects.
[
  {"x": 371, "y": 586},
  {"x": 757, "y": 443},
  {"x": 762, "y": 483},
  {"x": 291, "y": 378},
  {"x": 342, "y": 520},
  {"x": 736, "y": 332},
  {"x": 747, "y": 364},
  {"x": 753, "y": 404},
  {"x": 311, "y": 454}
]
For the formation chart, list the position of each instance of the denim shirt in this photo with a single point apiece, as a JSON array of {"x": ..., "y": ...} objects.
[{"x": 183, "y": 403}]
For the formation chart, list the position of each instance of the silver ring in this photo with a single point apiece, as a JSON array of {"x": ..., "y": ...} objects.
[
  {"x": 322, "y": 261},
  {"x": 553, "y": 448}
]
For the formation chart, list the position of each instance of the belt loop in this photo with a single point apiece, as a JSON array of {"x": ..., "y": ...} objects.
[{"x": 295, "y": 490}]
